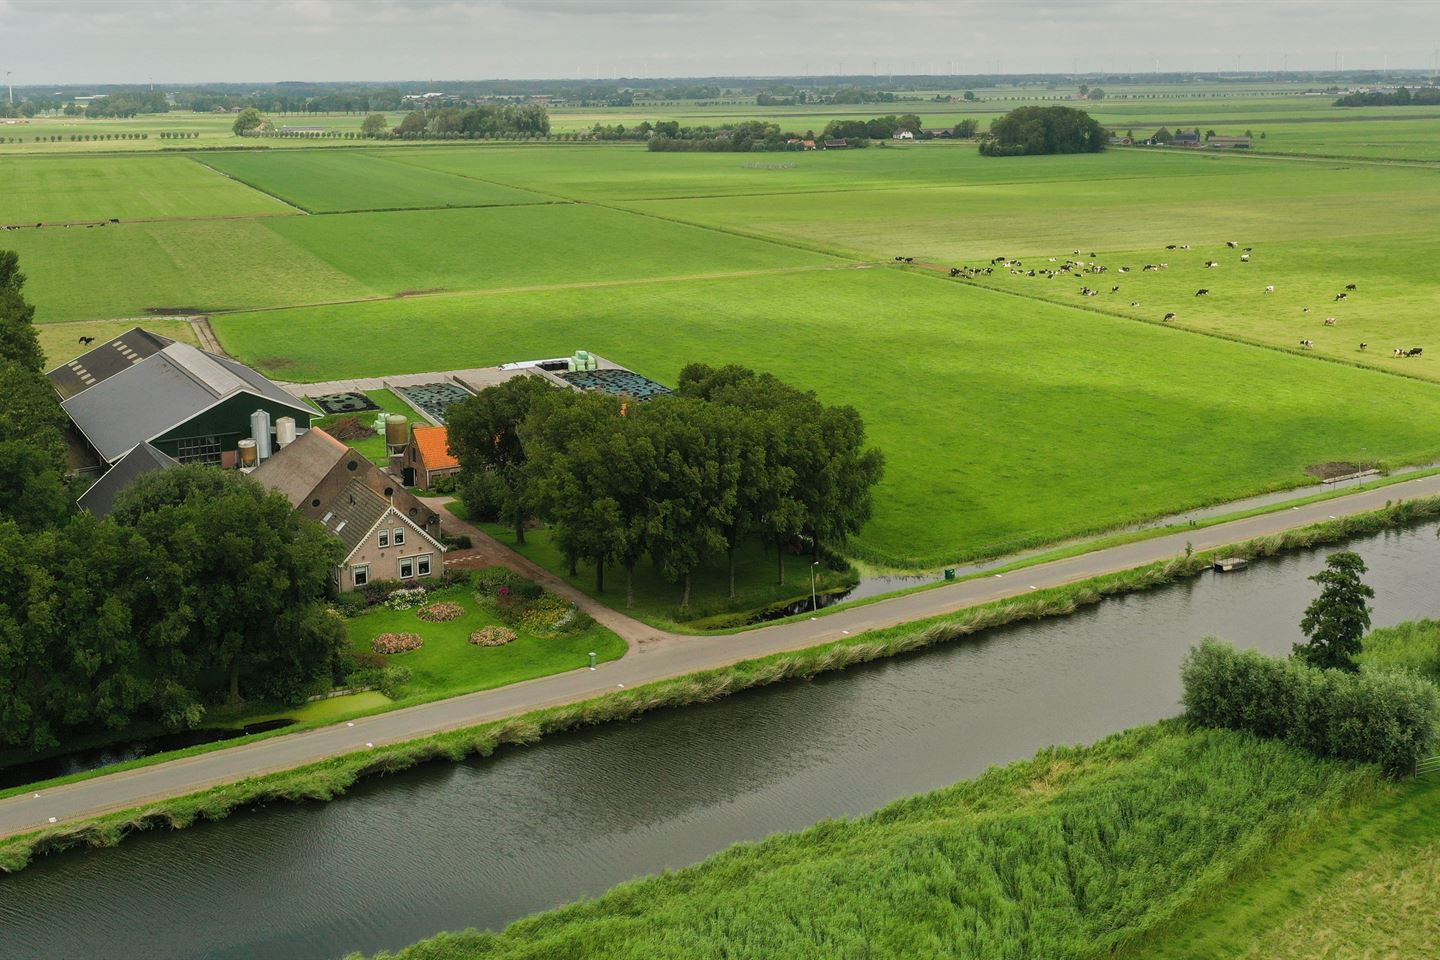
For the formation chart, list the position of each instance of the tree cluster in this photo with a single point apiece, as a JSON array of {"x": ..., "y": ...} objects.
[
  {"x": 733, "y": 457},
  {"x": 1031, "y": 131},
  {"x": 481, "y": 121},
  {"x": 1402, "y": 97},
  {"x": 877, "y": 128},
  {"x": 127, "y": 104},
  {"x": 198, "y": 580}
]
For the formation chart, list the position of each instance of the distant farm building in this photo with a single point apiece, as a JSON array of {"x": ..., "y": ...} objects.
[
  {"x": 1186, "y": 139},
  {"x": 1229, "y": 143},
  {"x": 903, "y": 135}
]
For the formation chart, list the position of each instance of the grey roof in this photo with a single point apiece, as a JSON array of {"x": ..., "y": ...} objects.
[
  {"x": 99, "y": 499},
  {"x": 103, "y": 362},
  {"x": 161, "y": 391},
  {"x": 354, "y": 513}
]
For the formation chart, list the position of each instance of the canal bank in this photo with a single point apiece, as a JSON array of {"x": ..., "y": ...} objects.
[{"x": 480, "y": 843}]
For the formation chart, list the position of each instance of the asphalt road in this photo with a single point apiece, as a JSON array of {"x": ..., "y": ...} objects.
[{"x": 654, "y": 655}]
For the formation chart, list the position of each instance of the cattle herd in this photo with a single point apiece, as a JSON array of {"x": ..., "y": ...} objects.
[{"x": 1084, "y": 269}]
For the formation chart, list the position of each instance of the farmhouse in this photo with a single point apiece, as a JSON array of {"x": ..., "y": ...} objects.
[
  {"x": 1186, "y": 139},
  {"x": 1229, "y": 143},
  {"x": 388, "y": 533},
  {"x": 427, "y": 457},
  {"x": 188, "y": 405},
  {"x": 903, "y": 135}
]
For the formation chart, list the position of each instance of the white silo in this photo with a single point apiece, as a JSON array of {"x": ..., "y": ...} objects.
[{"x": 260, "y": 433}]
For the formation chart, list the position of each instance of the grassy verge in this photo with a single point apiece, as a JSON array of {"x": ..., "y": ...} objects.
[
  {"x": 1073, "y": 853},
  {"x": 331, "y": 777}
]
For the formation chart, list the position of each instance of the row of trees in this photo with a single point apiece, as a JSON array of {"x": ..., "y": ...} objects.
[
  {"x": 1401, "y": 97},
  {"x": 485, "y": 120},
  {"x": 199, "y": 580},
  {"x": 1029, "y": 131},
  {"x": 733, "y": 457}
]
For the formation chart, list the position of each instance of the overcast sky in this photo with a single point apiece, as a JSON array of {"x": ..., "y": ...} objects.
[{"x": 175, "y": 41}]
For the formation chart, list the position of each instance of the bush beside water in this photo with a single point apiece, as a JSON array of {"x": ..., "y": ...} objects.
[{"x": 1377, "y": 717}]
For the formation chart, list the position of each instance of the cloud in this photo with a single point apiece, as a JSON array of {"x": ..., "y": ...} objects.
[{"x": 118, "y": 41}]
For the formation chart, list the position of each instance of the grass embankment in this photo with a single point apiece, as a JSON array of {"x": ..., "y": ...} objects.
[
  {"x": 711, "y": 607},
  {"x": 1070, "y": 854},
  {"x": 1414, "y": 646},
  {"x": 330, "y": 778}
]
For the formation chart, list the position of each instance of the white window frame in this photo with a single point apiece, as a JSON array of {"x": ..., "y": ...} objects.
[
  {"x": 384, "y": 539},
  {"x": 360, "y": 574},
  {"x": 404, "y": 563},
  {"x": 399, "y": 536},
  {"x": 422, "y": 565}
]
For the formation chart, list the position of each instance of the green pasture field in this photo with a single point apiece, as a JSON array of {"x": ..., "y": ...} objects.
[
  {"x": 60, "y": 341},
  {"x": 527, "y": 246},
  {"x": 1006, "y": 422},
  {"x": 327, "y": 181},
  {"x": 657, "y": 600},
  {"x": 191, "y": 266},
  {"x": 1074, "y": 853},
  {"x": 449, "y": 664},
  {"x": 71, "y": 189},
  {"x": 1315, "y": 227}
]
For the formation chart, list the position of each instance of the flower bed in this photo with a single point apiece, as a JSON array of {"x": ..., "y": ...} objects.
[
  {"x": 397, "y": 643},
  {"x": 440, "y": 612},
  {"x": 492, "y": 636},
  {"x": 406, "y": 598}
]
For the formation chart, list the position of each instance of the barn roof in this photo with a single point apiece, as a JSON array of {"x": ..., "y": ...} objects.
[
  {"x": 99, "y": 497},
  {"x": 433, "y": 444}
]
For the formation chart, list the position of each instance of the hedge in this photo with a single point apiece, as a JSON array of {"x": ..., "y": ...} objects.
[{"x": 1383, "y": 718}]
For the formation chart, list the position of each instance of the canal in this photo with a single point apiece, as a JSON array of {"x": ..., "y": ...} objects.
[{"x": 479, "y": 844}]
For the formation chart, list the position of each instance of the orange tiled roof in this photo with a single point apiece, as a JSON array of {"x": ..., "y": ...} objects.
[{"x": 433, "y": 444}]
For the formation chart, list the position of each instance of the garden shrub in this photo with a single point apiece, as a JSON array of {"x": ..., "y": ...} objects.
[
  {"x": 391, "y": 680},
  {"x": 390, "y": 643},
  {"x": 405, "y": 598},
  {"x": 489, "y": 580},
  {"x": 1386, "y": 718},
  {"x": 492, "y": 636},
  {"x": 440, "y": 612},
  {"x": 351, "y": 604}
]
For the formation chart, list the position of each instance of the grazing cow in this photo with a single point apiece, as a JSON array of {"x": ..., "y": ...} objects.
[
  {"x": 1304, "y": 309},
  {"x": 1169, "y": 246},
  {"x": 1271, "y": 289},
  {"x": 1134, "y": 303},
  {"x": 1350, "y": 286},
  {"x": 1414, "y": 352},
  {"x": 1341, "y": 296},
  {"x": 1249, "y": 249},
  {"x": 1202, "y": 292},
  {"x": 86, "y": 341},
  {"x": 1329, "y": 321},
  {"x": 1399, "y": 352},
  {"x": 1244, "y": 258},
  {"x": 1124, "y": 269},
  {"x": 1167, "y": 318},
  {"x": 1184, "y": 246},
  {"x": 1114, "y": 289},
  {"x": 898, "y": 259},
  {"x": 1363, "y": 345},
  {"x": 909, "y": 259},
  {"x": 1307, "y": 344},
  {"x": 1211, "y": 264},
  {"x": 954, "y": 271},
  {"x": 1231, "y": 244}
]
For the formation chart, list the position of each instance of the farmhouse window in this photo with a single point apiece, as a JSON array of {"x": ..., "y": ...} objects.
[
  {"x": 407, "y": 568},
  {"x": 399, "y": 536},
  {"x": 423, "y": 564},
  {"x": 384, "y": 538},
  {"x": 360, "y": 575}
]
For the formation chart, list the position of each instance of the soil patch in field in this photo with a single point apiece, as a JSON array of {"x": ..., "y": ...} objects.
[
  {"x": 1335, "y": 468},
  {"x": 175, "y": 311},
  {"x": 418, "y": 292},
  {"x": 350, "y": 428}
]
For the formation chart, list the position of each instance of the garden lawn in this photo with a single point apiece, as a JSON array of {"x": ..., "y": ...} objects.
[
  {"x": 657, "y": 599},
  {"x": 1006, "y": 422},
  {"x": 449, "y": 665},
  {"x": 325, "y": 181},
  {"x": 373, "y": 446},
  {"x": 67, "y": 189},
  {"x": 1068, "y": 855}
]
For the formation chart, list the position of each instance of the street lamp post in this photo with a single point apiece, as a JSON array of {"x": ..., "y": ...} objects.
[{"x": 813, "y": 605}]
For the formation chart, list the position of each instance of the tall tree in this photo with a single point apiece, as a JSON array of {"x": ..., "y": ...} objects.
[
  {"x": 374, "y": 125},
  {"x": 484, "y": 432},
  {"x": 246, "y": 120},
  {"x": 1336, "y": 621}
]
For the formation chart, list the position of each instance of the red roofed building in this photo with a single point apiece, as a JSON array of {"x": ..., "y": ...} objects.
[{"x": 428, "y": 454}]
